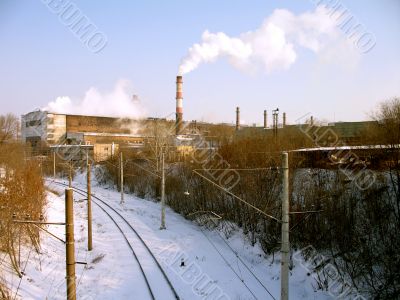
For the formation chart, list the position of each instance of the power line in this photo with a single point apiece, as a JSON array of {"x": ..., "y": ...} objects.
[
  {"x": 20, "y": 280},
  {"x": 229, "y": 265},
  {"x": 237, "y": 197},
  {"x": 237, "y": 255}
]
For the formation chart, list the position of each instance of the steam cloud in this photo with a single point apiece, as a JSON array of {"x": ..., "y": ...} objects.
[
  {"x": 117, "y": 103},
  {"x": 271, "y": 47}
]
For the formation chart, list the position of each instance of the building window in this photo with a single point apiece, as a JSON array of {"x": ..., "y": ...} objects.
[{"x": 33, "y": 123}]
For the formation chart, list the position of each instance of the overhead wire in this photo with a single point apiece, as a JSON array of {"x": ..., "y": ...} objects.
[
  {"x": 238, "y": 198},
  {"x": 230, "y": 266},
  {"x": 20, "y": 280},
  {"x": 240, "y": 259}
]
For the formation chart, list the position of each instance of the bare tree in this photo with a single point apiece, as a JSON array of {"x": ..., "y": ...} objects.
[
  {"x": 9, "y": 125},
  {"x": 160, "y": 135}
]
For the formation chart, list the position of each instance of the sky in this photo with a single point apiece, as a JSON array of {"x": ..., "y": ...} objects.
[{"x": 248, "y": 55}]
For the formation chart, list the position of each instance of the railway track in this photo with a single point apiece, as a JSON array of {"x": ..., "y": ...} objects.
[{"x": 132, "y": 237}]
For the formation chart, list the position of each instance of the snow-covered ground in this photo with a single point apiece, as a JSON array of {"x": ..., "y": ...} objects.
[{"x": 212, "y": 270}]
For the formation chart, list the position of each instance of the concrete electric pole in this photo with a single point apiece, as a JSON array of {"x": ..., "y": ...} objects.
[
  {"x": 162, "y": 192},
  {"x": 70, "y": 175},
  {"x": 89, "y": 208},
  {"x": 70, "y": 244},
  {"x": 285, "y": 229},
  {"x": 122, "y": 177},
  {"x": 54, "y": 164}
]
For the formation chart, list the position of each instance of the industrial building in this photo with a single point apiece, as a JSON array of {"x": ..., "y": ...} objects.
[
  {"x": 348, "y": 133},
  {"x": 105, "y": 134}
]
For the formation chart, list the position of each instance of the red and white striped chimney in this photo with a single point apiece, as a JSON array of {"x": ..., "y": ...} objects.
[{"x": 179, "y": 104}]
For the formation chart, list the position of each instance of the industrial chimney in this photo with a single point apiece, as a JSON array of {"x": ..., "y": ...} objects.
[
  {"x": 265, "y": 119},
  {"x": 179, "y": 107},
  {"x": 284, "y": 119},
  {"x": 237, "y": 118}
]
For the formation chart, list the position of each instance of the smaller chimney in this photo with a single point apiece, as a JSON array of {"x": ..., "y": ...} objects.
[
  {"x": 265, "y": 119},
  {"x": 237, "y": 118},
  {"x": 312, "y": 121},
  {"x": 284, "y": 119}
]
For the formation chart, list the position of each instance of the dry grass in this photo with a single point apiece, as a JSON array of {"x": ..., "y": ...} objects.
[
  {"x": 98, "y": 258},
  {"x": 22, "y": 194}
]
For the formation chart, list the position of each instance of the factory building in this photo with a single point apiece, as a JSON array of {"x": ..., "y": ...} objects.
[
  {"x": 105, "y": 134},
  {"x": 348, "y": 133}
]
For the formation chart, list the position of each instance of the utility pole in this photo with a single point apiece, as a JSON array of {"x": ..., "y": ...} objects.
[
  {"x": 122, "y": 177},
  {"x": 54, "y": 164},
  {"x": 162, "y": 192},
  {"x": 70, "y": 175},
  {"x": 70, "y": 244},
  {"x": 89, "y": 208},
  {"x": 285, "y": 229}
]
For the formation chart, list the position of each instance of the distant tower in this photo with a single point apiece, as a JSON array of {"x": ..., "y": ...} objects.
[
  {"x": 237, "y": 118},
  {"x": 284, "y": 119},
  {"x": 265, "y": 119}
]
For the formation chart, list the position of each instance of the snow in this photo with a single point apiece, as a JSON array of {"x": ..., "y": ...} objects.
[
  {"x": 112, "y": 273},
  {"x": 334, "y": 148}
]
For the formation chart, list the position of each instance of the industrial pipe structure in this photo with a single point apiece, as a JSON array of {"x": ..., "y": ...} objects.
[
  {"x": 284, "y": 119},
  {"x": 265, "y": 119},
  {"x": 179, "y": 105},
  {"x": 237, "y": 118}
]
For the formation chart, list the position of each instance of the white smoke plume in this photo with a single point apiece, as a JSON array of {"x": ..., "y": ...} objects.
[
  {"x": 118, "y": 103},
  {"x": 271, "y": 47}
]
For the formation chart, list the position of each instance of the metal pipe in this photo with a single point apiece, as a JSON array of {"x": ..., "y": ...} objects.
[
  {"x": 38, "y": 222},
  {"x": 53, "y": 235}
]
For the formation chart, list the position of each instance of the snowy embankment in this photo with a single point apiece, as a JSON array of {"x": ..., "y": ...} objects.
[{"x": 211, "y": 268}]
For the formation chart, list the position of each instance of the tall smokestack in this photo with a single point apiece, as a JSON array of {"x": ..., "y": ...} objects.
[
  {"x": 179, "y": 105},
  {"x": 237, "y": 118},
  {"x": 265, "y": 119},
  {"x": 284, "y": 119}
]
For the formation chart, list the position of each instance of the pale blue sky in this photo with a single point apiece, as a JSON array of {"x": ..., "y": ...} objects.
[{"x": 41, "y": 59}]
